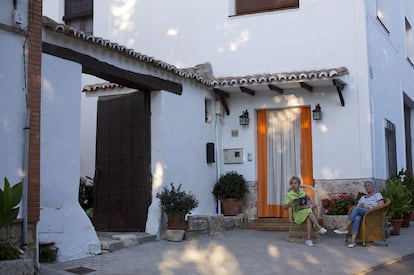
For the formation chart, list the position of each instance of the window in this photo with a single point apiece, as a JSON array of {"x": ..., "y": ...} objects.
[
  {"x": 79, "y": 14},
  {"x": 381, "y": 9},
  {"x": 409, "y": 38},
  {"x": 390, "y": 148},
  {"x": 249, "y": 6},
  {"x": 208, "y": 111}
]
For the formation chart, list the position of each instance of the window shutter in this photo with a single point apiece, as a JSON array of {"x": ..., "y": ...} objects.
[
  {"x": 78, "y": 8},
  {"x": 249, "y": 6}
]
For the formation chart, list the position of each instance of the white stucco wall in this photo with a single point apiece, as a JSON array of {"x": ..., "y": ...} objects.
[
  {"x": 349, "y": 141},
  {"x": 62, "y": 220},
  {"x": 391, "y": 77},
  {"x": 12, "y": 107},
  {"x": 310, "y": 37},
  {"x": 178, "y": 148}
]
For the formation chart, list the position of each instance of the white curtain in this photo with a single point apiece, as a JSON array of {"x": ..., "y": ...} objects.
[{"x": 284, "y": 147}]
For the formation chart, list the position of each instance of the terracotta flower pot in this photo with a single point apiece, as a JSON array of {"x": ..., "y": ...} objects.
[
  {"x": 176, "y": 220},
  {"x": 396, "y": 226},
  {"x": 230, "y": 207},
  {"x": 406, "y": 220}
]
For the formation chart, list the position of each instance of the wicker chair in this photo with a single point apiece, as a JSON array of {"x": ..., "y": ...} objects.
[
  {"x": 372, "y": 225},
  {"x": 297, "y": 232}
]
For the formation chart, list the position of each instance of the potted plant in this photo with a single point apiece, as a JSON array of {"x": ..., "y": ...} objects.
[
  {"x": 176, "y": 204},
  {"x": 408, "y": 181},
  {"x": 9, "y": 199},
  {"x": 400, "y": 202},
  {"x": 336, "y": 209},
  {"x": 230, "y": 189}
]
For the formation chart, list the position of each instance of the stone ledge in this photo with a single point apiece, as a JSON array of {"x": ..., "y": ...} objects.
[
  {"x": 19, "y": 266},
  {"x": 213, "y": 224}
]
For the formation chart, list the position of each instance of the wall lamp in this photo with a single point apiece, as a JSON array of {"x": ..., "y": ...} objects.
[
  {"x": 317, "y": 112},
  {"x": 244, "y": 118}
]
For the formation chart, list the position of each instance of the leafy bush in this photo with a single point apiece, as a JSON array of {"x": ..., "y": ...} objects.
[
  {"x": 408, "y": 181},
  {"x": 86, "y": 185},
  {"x": 338, "y": 204},
  {"x": 397, "y": 192},
  {"x": 8, "y": 252},
  {"x": 9, "y": 199},
  {"x": 175, "y": 200},
  {"x": 230, "y": 185}
]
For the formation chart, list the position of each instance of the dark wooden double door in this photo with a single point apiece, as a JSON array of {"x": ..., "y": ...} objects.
[{"x": 122, "y": 192}]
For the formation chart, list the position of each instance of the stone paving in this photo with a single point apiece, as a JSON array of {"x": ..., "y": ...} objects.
[{"x": 242, "y": 251}]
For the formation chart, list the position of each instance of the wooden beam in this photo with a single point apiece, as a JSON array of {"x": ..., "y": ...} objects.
[
  {"x": 222, "y": 97},
  {"x": 111, "y": 73},
  {"x": 306, "y": 86},
  {"x": 247, "y": 91},
  {"x": 275, "y": 88},
  {"x": 221, "y": 92},
  {"x": 340, "y": 85}
]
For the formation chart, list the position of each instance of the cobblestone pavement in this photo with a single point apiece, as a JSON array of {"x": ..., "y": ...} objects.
[{"x": 243, "y": 251}]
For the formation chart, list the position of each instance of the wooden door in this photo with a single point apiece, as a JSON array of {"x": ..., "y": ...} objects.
[
  {"x": 266, "y": 208},
  {"x": 122, "y": 192}
]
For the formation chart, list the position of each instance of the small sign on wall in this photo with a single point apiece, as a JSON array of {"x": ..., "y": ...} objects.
[{"x": 234, "y": 155}]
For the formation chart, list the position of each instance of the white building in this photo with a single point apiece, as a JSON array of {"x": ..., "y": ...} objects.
[
  {"x": 365, "y": 130},
  {"x": 354, "y": 58}
]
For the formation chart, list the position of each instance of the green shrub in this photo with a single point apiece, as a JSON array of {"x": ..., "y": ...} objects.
[
  {"x": 175, "y": 200},
  {"x": 9, "y": 199},
  {"x": 8, "y": 252},
  {"x": 400, "y": 199},
  {"x": 230, "y": 185}
]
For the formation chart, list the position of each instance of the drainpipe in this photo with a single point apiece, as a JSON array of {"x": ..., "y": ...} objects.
[
  {"x": 219, "y": 111},
  {"x": 25, "y": 179}
]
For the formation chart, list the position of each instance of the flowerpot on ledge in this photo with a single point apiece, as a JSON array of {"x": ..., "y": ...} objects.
[
  {"x": 230, "y": 207},
  {"x": 176, "y": 220}
]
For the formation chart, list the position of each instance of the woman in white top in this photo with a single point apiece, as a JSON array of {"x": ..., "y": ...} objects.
[{"x": 371, "y": 200}]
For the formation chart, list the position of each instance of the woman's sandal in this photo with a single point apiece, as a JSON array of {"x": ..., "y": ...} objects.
[{"x": 351, "y": 245}]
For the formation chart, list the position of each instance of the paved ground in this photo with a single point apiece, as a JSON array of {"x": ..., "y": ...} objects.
[
  {"x": 405, "y": 265},
  {"x": 248, "y": 252}
]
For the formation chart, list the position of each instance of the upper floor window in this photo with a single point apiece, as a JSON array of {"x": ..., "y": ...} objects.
[
  {"x": 409, "y": 38},
  {"x": 390, "y": 148},
  {"x": 79, "y": 14},
  {"x": 383, "y": 13},
  {"x": 256, "y": 6}
]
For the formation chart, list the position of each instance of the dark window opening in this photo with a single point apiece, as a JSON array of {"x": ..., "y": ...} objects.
[
  {"x": 79, "y": 14},
  {"x": 391, "y": 148},
  {"x": 249, "y": 6}
]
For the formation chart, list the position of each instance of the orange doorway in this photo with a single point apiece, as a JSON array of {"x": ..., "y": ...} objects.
[{"x": 284, "y": 149}]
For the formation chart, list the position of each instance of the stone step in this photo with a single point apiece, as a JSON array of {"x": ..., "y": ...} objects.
[
  {"x": 112, "y": 241},
  {"x": 270, "y": 224}
]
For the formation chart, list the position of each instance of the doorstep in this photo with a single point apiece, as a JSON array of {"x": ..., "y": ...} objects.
[{"x": 112, "y": 241}]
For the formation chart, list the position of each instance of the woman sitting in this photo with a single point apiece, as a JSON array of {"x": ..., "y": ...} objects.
[
  {"x": 302, "y": 209},
  {"x": 371, "y": 200}
]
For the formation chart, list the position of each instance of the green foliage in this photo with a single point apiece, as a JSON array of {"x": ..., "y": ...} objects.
[
  {"x": 408, "y": 181},
  {"x": 174, "y": 200},
  {"x": 86, "y": 185},
  {"x": 8, "y": 252},
  {"x": 9, "y": 199},
  {"x": 339, "y": 204},
  {"x": 397, "y": 192},
  {"x": 230, "y": 185}
]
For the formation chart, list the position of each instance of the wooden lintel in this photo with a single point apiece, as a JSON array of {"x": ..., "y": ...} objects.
[
  {"x": 225, "y": 105},
  {"x": 275, "y": 88},
  {"x": 220, "y": 92},
  {"x": 306, "y": 86},
  {"x": 111, "y": 73},
  {"x": 340, "y": 85},
  {"x": 247, "y": 91}
]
